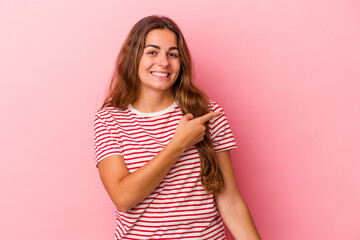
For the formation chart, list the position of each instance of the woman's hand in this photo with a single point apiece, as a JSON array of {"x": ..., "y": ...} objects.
[{"x": 190, "y": 131}]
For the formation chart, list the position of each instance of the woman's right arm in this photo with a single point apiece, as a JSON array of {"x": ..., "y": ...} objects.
[{"x": 127, "y": 190}]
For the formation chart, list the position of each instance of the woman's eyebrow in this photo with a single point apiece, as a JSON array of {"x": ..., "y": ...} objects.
[{"x": 157, "y": 47}]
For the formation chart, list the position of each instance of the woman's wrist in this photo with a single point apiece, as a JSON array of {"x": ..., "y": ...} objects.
[{"x": 175, "y": 147}]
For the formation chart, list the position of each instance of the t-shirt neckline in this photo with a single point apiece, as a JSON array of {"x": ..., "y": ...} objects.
[{"x": 152, "y": 114}]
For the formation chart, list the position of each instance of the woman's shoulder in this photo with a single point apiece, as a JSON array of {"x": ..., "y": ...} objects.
[
  {"x": 214, "y": 106},
  {"x": 110, "y": 112}
]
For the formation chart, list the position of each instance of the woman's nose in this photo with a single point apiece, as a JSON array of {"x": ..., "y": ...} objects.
[{"x": 163, "y": 60}]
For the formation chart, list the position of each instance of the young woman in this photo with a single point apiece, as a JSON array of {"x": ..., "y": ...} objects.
[{"x": 162, "y": 148}]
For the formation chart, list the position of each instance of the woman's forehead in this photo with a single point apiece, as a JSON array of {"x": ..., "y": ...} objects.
[{"x": 164, "y": 38}]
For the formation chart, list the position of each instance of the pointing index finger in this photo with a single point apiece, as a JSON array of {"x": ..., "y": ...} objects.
[{"x": 209, "y": 116}]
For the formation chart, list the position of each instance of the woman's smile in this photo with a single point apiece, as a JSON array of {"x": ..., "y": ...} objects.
[{"x": 160, "y": 74}]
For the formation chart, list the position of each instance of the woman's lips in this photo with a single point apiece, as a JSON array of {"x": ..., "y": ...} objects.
[{"x": 160, "y": 74}]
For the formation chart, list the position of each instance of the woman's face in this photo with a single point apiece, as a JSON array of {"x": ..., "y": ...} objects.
[{"x": 159, "y": 65}]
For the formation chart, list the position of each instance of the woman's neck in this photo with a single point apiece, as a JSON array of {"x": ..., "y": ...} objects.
[{"x": 152, "y": 102}]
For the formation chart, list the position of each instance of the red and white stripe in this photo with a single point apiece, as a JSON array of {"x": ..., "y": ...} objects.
[{"x": 179, "y": 208}]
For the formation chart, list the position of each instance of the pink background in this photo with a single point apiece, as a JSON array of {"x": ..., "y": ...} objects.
[{"x": 286, "y": 72}]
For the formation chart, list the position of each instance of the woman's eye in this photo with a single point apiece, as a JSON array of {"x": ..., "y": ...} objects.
[
  {"x": 174, "y": 55},
  {"x": 151, "y": 52}
]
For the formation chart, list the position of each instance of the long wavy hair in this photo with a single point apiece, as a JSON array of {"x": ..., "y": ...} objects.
[{"x": 124, "y": 89}]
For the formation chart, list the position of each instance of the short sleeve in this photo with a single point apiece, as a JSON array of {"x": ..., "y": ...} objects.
[
  {"x": 106, "y": 143},
  {"x": 221, "y": 135}
]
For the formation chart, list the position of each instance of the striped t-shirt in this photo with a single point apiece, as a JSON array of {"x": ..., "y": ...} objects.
[{"x": 179, "y": 208}]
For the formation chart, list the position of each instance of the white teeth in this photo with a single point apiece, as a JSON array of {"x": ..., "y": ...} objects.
[{"x": 160, "y": 74}]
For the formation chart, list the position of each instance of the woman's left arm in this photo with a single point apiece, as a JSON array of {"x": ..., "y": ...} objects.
[{"x": 231, "y": 205}]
